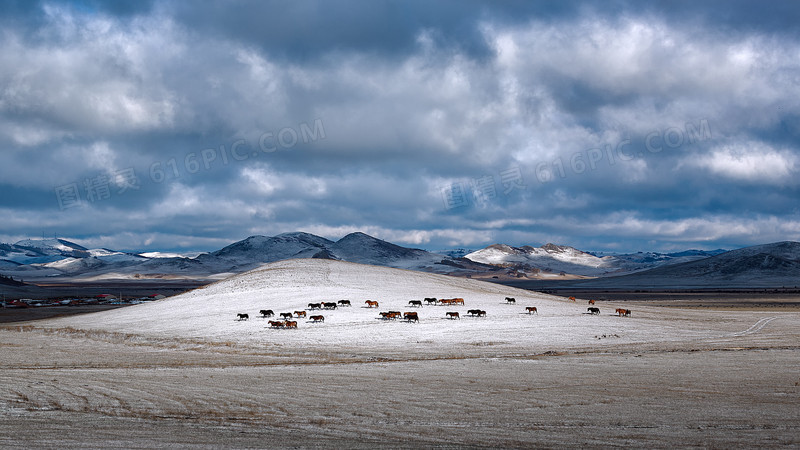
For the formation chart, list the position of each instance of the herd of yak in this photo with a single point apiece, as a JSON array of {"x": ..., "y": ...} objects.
[{"x": 410, "y": 316}]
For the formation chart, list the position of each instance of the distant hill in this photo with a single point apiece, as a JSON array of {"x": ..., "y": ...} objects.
[
  {"x": 355, "y": 247},
  {"x": 549, "y": 258},
  {"x": 768, "y": 265},
  {"x": 31, "y": 251},
  {"x": 256, "y": 250},
  {"x": 561, "y": 258}
]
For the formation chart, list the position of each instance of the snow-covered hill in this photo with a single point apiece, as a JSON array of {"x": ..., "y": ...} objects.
[
  {"x": 210, "y": 313},
  {"x": 33, "y": 251},
  {"x": 263, "y": 249},
  {"x": 355, "y": 247},
  {"x": 548, "y": 258},
  {"x": 560, "y": 258},
  {"x": 50, "y": 246}
]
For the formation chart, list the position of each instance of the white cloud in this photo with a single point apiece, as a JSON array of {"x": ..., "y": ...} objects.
[
  {"x": 751, "y": 161},
  {"x": 264, "y": 181}
]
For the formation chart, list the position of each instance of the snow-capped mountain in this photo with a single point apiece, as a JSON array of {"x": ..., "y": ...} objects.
[
  {"x": 156, "y": 255},
  {"x": 365, "y": 249},
  {"x": 355, "y": 247},
  {"x": 32, "y": 251},
  {"x": 548, "y": 258},
  {"x": 560, "y": 258},
  {"x": 263, "y": 249},
  {"x": 50, "y": 246}
]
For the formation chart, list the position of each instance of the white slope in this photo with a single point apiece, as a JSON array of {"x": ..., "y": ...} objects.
[
  {"x": 49, "y": 246},
  {"x": 157, "y": 255},
  {"x": 112, "y": 256},
  {"x": 549, "y": 257},
  {"x": 364, "y": 249},
  {"x": 24, "y": 256},
  {"x": 99, "y": 259},
  {"x": 209, "y": 313}
]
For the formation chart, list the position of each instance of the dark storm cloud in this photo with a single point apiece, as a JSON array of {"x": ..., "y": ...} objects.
[{"x": 628, "y": 124}]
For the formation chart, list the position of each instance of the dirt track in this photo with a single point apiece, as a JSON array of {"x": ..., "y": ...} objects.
[{"x": 67, "y": 388}]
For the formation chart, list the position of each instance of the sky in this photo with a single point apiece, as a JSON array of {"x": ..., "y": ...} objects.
[{"x": 615, "y": 126}]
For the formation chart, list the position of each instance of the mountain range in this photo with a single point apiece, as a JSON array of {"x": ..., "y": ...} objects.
[
  {"x": 58, "y": 258},
  {"x": 775, "y": 264},
  {"x": 551, "y": 258}
]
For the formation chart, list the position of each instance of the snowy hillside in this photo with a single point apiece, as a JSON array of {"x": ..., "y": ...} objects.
[
  {"x": 156, "y": 255},
  {"x": 365, "y": 249},
  {"x": 549, "y": 258},
  {"x": 210, "y": 313},
  {"x": 32, "y": 251},
  {"x": 262, "y": 249},
  {"x": 50, "y": 246},
  {"x": 355, "y": 247},
  {"x": 560, "y": 258}
]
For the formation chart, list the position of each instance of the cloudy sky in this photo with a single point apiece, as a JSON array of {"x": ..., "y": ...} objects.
[{"x": 621, "y": 126}]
